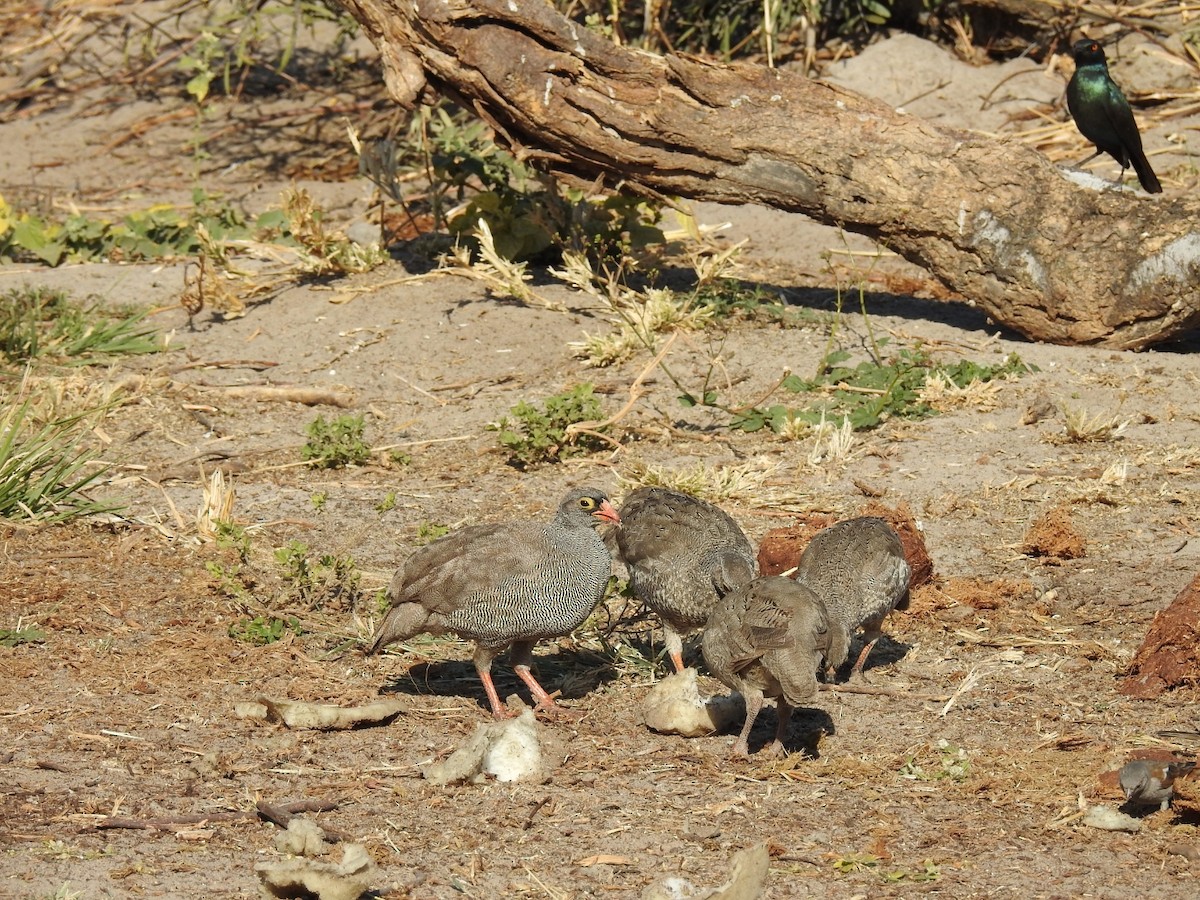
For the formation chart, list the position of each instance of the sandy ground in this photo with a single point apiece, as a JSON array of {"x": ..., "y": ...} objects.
[{"x": 127, "y": 709}]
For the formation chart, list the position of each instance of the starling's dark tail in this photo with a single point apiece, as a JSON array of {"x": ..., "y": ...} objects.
[{"x": 1145, "y": 174}]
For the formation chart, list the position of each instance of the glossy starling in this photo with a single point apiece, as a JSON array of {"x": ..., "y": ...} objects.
[{"x": 1103, "y": 116}]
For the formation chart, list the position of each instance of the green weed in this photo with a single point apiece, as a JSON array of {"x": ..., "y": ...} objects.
[
  {"x": 951, "y": 763},
  {"x": 431, "y": 531},
  {"x": 39, "y": 322},
  {"x": 14, "y": 637},
  {"x": 45, "y": 471},
  {"x": 336, "y": 443},
  {"x": 263, "y": 630},
  {"x": 871, "y": 392},
  {"x": 387, "y": 504},
  {"x": 329, "y": 580},
  {"x": 542, "y": 434},
  {"x": 234, "y": 582},
  {"x": 155, "y": 233}
]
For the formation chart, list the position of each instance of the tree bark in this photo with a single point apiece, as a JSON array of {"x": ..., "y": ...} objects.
[{"x": 994, "y": 220}]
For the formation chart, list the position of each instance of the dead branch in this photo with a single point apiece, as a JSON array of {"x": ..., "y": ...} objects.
[
  {"x": 994, "y": 220},
  {"x": 280, "y": 814}
]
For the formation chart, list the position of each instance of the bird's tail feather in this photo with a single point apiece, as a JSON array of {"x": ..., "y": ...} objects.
[{"x": 1145, "y": 174}]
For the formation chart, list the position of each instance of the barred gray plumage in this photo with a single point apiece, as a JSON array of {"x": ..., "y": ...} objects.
[
  {"x": 768, "y": 638},
  {"x": 683, "y": 554},
  {"x": 508, "y": 584},
  {"x": 858, "y": 569}
]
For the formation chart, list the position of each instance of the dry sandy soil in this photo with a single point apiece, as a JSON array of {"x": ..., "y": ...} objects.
[{"x": 127, "y": 709}]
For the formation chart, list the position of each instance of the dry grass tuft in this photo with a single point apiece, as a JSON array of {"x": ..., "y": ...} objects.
[
  {"x": 943, "y": 395},
  {"x": 216, "y": 506},
  {"x": 1082, "y": 427},
  {"x": 713, "y": 483}
]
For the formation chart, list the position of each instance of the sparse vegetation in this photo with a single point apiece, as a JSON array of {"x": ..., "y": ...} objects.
[
  {"x": 336, "y": 443},
  {"x": 40, "y": 323},
  {"x": 329, "y": 581},
  {"x": 1082, "y": 427},
  {"x": 15, "y": 637},
  {"x": 871, "y": 392},
  {"x": 46, "y": 469},
  {"x": 431, "y": 531},
  {"x": 154, "y": 233},
  {"x": 541, "y": 434},
  {"x": 263, "y": 630}
]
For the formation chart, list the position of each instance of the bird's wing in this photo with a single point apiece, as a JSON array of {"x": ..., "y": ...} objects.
[
  {"x": 1120, "y": 117},
  {"x": 445, "y": 575}
]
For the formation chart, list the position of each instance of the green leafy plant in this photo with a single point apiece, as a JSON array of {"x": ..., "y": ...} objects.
[
  {"x": 45, "y": 469},
  {"x": 154, "y": 233},
  {"x": 40, "y": 322},
  {"x": 263, "y": 630},
  {"x": 336, "y": 443},
  {"x": 14, "y": 637},
  {"x": 328, "y": 580},
  {"x": 528, "y": 215},
  {"x": 387, "y": 504},
  {"x": 949, "y": 763},
  {"x": 539, "y": 434},
  {"x": 232, "y": 581},
  {"x": 431, "y": 531},
  {"x": 869, "y": 393}
]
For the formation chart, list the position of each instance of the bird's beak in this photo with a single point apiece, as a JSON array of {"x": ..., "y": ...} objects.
[{"x": 608, "y": 513}]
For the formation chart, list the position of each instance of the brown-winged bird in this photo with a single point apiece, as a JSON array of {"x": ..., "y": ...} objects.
[
  {"x": 858, "y": 569},
  {"x": 768, "y": 638},
  {"x": 1103, "y": 116},
  {"x": 683, "y": 555},
  {"x": 508, "y": 584}
]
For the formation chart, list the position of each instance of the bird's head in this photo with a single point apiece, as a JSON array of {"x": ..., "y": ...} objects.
[
  {"x": 1087, "y": 52},
  {"x": 589, "y": 505}
]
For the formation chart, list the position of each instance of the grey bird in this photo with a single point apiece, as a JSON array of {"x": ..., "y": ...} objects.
[
  {"x": 508, "y": 584},
  {"x": 1151, "y": 782},
  {"x": 858, "y": 568},
  {"x": 683, "y": 555},
  {"x": 768, "y": 638}
]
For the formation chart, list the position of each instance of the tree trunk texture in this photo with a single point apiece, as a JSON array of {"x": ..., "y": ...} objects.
[{"x": 994, "y": 220}]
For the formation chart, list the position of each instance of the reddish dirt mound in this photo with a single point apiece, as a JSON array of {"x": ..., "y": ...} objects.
[
  {"x": 1054, "y": 537},
  {"x": 1170, "y": 654}
]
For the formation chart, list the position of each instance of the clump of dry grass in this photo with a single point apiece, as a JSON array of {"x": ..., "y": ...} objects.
[
  {"x": 713, "y": 483},
  {"x": 1082, "y": 427},
  {"x": 943, "y": 394},
  {"x": 833, "y": 446},
  {"x": 216, "y": 507}
]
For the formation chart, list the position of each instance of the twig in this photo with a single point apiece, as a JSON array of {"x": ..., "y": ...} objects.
[
  {"x": 635, "y": 394},
  {"x": 279, "y": 811},
  {"x": 307, "y": 396},
  {"x": 283, "y": 813},
  {"x": 537, "y": 808},
  {"x": 873, "y": 691}
]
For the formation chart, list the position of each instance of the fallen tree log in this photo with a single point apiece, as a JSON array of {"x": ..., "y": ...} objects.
[{"x": 994, "y": 220}]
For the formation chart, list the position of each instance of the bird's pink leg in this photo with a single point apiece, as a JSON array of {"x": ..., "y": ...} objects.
[
  {"x": 674, "y": 643},
  {"x": 783, "y": 710},
  {"x": 522, "y": 658},
  {"x": 857, "y": 671},
  {"x": 483, "y": 666},
  {"x": 741, "y": 747}
]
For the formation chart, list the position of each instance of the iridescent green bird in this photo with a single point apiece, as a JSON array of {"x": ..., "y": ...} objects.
[{"x": 1103, "y": 116}]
